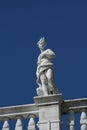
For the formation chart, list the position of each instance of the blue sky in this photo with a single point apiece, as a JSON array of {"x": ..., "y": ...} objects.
[{"x": 22, "y": 23}]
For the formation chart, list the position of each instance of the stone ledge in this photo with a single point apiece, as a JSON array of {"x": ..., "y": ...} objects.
[
  {"x": 76, "y": 105},
  {"x": 23, "y": 111},
  {"x": 47, "y": 100}
]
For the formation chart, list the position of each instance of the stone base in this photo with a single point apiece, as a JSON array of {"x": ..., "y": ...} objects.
[
  {"x": 49, "y": 111},
  {"x": 50, "y": 99}
]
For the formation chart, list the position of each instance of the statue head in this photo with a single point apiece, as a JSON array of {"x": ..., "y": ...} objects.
[{"x": 42, "y": 43}]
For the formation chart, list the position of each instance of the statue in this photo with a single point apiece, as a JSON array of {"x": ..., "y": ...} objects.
[{"x": 45, "y": 71}]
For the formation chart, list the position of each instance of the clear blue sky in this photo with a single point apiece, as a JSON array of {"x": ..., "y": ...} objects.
[{"x": 22, "y": 23}]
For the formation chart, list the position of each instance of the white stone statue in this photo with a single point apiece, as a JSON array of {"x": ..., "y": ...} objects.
[{"x": 45, "y": 71}]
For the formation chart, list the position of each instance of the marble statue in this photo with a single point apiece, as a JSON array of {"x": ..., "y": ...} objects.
[{"x": 45, "y": 70}]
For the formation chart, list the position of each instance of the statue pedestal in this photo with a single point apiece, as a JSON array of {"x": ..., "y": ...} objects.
[{"x": 49, "y": 111}]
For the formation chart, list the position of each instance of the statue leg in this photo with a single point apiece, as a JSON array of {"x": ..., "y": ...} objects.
[
  {"x": 50, "y": 78},
  {"x": 44, "y": 84}
]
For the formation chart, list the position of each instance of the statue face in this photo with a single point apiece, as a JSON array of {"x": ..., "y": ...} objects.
[{"x": 41, "y": 43}]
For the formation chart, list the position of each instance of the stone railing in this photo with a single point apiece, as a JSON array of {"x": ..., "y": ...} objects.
[
  {"x": 73, "y": 107},
  {"x": 18, "y": 113},
  {"x": 48, "y": 110}
]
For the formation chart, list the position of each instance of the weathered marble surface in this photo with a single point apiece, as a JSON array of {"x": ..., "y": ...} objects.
[{"x": 45, "y": 70}]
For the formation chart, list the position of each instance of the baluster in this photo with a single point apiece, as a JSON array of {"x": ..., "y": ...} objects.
[
  {"x": 31, "y": 123},
  {"x": 18, "y": 125},
  {"x": 71, "y": 124},
  {"x": 83, "y": 120},
  {"x": 5, "y": 126}
]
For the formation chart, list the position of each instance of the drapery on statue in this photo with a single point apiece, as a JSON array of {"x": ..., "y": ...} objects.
[{"x": 45, "y": 71}]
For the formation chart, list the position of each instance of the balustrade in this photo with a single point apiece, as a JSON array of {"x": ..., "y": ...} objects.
[
  {"x": 5, "y": 125},
  {"x": 18, "y": 113},
  {"x": 83, "y": 120},
  {"x": 19, "y": 125},
  {"x": 71, "y": 120},
  {"x": 31, "y": 124},
  {"x": 73, "y": 107},
  {"x": 31, "y": 111}
]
